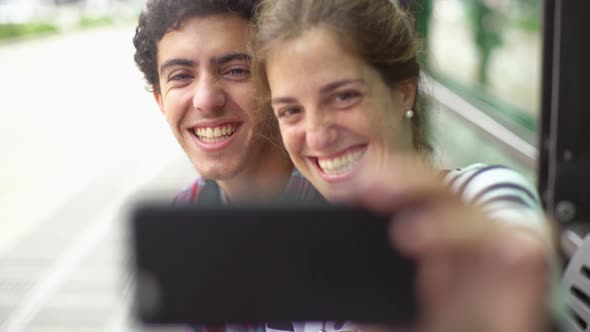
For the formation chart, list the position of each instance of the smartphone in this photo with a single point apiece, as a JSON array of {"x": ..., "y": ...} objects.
[{"x": 268, "y": 263}]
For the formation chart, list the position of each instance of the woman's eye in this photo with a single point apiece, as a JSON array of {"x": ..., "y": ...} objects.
[
  {"x": 347, "y": 96},
  {"x": 287, "y": 112}
]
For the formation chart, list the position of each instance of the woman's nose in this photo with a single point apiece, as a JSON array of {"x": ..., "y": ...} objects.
[{"x": 321, "y": 133}]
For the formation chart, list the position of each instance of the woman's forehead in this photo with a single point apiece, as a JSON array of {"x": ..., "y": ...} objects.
[{"x": 313, "y": 60}]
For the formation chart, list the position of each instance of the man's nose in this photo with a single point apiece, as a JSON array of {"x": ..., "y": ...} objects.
[{"x": 209, "y": 95}]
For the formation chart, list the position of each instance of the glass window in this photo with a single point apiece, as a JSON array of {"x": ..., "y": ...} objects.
[{"x": 489, "y": 52}]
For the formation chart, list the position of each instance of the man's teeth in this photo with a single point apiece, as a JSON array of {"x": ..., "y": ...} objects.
[
  {"x": 341, "y": 164},
  {"x": 214, "y": 134}
]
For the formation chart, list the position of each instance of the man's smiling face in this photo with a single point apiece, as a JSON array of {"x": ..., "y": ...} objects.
[{"x": 207, "y": 95}]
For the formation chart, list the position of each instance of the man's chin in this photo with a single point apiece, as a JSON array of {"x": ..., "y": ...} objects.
[{"x": 219, "y": 171}]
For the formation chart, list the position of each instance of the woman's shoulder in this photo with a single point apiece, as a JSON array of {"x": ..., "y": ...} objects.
[
  {"x": 300, "y": 189},
  {"x": 500, "y": 191},
  {"x": 470, "y": 181}
]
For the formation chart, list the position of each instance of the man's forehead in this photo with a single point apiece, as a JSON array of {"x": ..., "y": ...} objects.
[{"x": 205, "y": 38}]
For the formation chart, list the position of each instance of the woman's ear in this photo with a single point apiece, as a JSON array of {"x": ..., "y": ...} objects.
[{"x": 407, "y": 91}]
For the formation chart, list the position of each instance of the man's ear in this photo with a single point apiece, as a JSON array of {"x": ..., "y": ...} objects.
[
  {"x": 159, "y": 99},
  {"x": 407, "y": 92}
]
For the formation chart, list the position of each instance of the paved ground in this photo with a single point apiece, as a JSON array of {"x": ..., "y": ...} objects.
[
  {"x": 73, "y": 109},
  {"x": 80, "y": 137}
]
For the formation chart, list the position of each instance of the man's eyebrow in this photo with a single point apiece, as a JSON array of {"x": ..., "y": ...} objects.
[
  {"x": 222, "y": 59},
  {"x": 176, "y": 62},
  {"x": 335, "y": 85}
]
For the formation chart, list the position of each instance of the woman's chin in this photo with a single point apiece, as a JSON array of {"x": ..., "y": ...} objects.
[{"x": 337, "y": 187}]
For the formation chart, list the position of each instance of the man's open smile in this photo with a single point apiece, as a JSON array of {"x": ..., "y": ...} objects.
[{"x": 215, "y": 134}]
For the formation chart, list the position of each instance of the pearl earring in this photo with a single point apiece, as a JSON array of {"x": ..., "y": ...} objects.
[{"x": 409, "y": 114}]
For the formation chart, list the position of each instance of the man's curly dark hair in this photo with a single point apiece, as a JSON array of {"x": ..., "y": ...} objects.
[{"x": 161, "y": 16}]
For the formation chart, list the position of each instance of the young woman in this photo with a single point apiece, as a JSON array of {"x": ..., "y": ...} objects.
[{"x": 343, "y": 80}]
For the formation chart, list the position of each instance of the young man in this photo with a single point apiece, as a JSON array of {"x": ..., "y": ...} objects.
[
  {"x": 194, "y": 57},
  {"x": 193, "y": 54}
]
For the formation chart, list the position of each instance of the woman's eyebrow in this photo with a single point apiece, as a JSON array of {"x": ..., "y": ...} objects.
[
  {"x": 326, "y": 89},
  {"x": 335, "y": 85},
  {"x": 283, "y": 100}
]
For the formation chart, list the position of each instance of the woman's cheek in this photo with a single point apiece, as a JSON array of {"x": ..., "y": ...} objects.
[{"x": 289, "y": 136}]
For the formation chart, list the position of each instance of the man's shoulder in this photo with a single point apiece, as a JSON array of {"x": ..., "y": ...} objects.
[
  {"x": 297, "y": 189},
  {"x": 190, "y": 193}
]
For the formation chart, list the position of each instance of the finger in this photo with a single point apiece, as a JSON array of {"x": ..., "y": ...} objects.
[
  {"x": 438, "y": 227},
  {"x": 495, "y": 271},
  {"x": 521, "y": 280},
  {"x": 506, "y": 280},
  {"x": 434, "y": 284}
]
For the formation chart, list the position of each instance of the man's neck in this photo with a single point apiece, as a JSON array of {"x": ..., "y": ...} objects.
[{"x": 267, "y": 180}]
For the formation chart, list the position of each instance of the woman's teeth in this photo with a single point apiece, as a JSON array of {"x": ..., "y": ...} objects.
[
  {"x": 340, "y": 164},
  {"x": 215, "y": 134}
]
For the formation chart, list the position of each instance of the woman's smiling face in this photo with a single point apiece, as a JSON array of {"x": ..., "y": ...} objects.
[{"x": 336, "y": 113}]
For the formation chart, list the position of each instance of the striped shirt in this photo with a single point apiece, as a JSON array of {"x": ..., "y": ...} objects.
[{"x": 502, "y": 193}]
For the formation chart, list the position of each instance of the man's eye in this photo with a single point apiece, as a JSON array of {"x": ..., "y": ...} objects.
[
  {"x": 180, "y": 77},
  {"x": 238, "y": 72}
]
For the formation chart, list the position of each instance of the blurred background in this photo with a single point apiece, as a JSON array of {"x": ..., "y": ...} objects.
[{"x": 81, "y": 138}]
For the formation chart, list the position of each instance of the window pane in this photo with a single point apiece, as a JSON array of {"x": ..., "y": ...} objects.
[{"x": 488, "y": 51}]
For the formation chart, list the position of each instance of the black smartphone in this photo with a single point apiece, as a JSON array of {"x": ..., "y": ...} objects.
[{"x": 277, "y": 263}]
